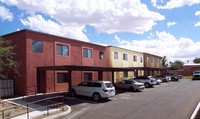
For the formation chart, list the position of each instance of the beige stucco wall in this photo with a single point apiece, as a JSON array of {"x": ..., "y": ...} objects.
[{"x": 123, "y": 63}]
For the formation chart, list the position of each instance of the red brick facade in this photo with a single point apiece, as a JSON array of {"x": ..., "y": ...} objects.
[{"x": 30, "y": 60}]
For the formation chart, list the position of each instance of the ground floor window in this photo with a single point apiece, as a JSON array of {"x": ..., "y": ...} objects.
[
  {"x": 87, "y": 76},
  {"x": 62, "y": 77},
  {"x": 125, "y": 73}
]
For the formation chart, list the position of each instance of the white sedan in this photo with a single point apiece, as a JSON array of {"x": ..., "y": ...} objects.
[{"x": 131, "y": 85}]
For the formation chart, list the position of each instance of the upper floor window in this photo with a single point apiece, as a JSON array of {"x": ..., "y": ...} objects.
[
  {"x": 152, "y": 59},
  {"x": 156, "y": 60},
  {"x": 101, "y": 55},
  {"x": 141, "y": 60},
  {"x": 37, "y": 46},
  {"x": 125, "y": 56},
  {"x": 62, "y": 49},
  {"x": 134, "y": 58},
  {"x": 115, "y": 55},
  {"x": 87, "y": 53}
]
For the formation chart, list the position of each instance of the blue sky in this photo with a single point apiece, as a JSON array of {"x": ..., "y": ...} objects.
[{"x": 162, "y": 27}]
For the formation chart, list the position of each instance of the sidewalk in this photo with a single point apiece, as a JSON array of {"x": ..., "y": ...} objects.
[{"x": 37, "y": 110}]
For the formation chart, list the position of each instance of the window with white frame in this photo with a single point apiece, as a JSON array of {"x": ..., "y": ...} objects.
[
  {"x": 101, "y": 55},
  {"x": 87, "y": 53},
  {"x": 141, "y": 59},
  {"x": 62, "y": 49},
  {"x": 134, "y": 58},
  {"x": 115, "y": 55},
  {"x": 37, "y": 46},
  {"x": 125, "y": 56}
]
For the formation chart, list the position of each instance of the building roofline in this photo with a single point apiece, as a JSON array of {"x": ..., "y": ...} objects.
[
  {"x": 191, "y": 64},
  {"x": 152, "y": 54},
  {"x": 38, "y": 32},
  {"x": 125, "y": 49}
]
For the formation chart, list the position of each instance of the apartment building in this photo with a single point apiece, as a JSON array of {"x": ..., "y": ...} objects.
[
  {"x": 51, "y": 63},
  {"x": 35, "y": 49},
  {"x": 119, "y": 57}
]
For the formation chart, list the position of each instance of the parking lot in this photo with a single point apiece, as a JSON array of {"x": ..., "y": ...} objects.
[{"x": 173, "y": 100}]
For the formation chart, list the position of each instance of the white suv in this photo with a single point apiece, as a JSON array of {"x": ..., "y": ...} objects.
[
  {"x": 148, "y": 81},
  {"x": 196, "y": 75},
  {"x": 95, "y": 89}
]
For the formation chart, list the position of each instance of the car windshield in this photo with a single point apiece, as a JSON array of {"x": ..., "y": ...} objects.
[
  {"x": 197, "y": 72},
  {"x": 134, "y": 81},
  {"x": 108, "y": 85}
]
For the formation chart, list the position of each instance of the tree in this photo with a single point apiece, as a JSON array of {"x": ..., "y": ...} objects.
[
  {"x": 7, "y": 63},
  {"x": 164, "y": 61},
  {"x": 176, "y": 65},
  {"x": 196, "y": 60}
]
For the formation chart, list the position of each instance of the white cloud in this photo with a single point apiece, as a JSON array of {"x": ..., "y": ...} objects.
[
  {"x": 39, "y": 23},
  {"x": 165, "y": 45},
  {"x": 5, "y": 14},
  {"x": 197, "y": 13},
  {"x": 197, "y": 24},
  {"x": 173, "y": 3},
  {"x": 106, "y": 16},
  {"x": 171, "y": 23}
]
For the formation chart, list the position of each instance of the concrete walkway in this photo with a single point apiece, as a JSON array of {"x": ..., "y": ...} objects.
[{"x": 39, "y": 109}]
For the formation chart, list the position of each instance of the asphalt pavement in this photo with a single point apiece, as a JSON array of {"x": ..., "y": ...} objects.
[{"x": 173, "y": 100}]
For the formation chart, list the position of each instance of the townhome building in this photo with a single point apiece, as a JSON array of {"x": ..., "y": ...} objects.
[
  {"x": 153, "y": 63},
  {"x": 120, "y": 57},
  {"x": 35, "y": 49},
  {"x": 50, "y": 63}
]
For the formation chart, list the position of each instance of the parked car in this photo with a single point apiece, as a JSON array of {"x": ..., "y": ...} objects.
[
  {"x": 95, "y": 89},
  {"x": 148, "y": 82},
  {"x": 173, "y": 77},
  {"x": 196, "y": 75},
  {"x": 158, "y": 81},
  {"x": 163, "y": 78},
  {"x": 131, "y": 85}
]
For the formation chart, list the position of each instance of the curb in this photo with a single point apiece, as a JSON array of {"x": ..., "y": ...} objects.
[
  {"x": 195, "y": 112},
  {"x": 60, "y": 114}
]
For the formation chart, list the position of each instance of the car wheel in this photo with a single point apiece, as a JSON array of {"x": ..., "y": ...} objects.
[
  {"x": 147, "y": 85},
  {"x": 173, "y": 79},
  {"x": 131, "y": 89},
  {"x": 165, "y": 80},
  {"x": 73, "y": 93},
  {"x": 96, "y": 97}
]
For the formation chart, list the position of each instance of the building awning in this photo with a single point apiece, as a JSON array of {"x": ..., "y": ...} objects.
[{"x": 95, "y": 68}]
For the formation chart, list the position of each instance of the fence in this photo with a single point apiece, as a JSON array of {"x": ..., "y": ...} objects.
[
  {"x": 47, "y": 103},
  {"x": 6, "y": 88},
  {"x": 44, "y": 105}
]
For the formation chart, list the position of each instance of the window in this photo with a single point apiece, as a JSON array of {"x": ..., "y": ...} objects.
[
  {"x": 156, "y": 60},
  {"x": 87, "y": 76},
  {"x": 115, "y": 55},
  {"x": 94, "y": 84},
  {"x": 134, "y": 58},
  {"x": 101, "y": 55},
  {"x": 125, "y": 56},
  {"x": 127, "y": 82},
  {"x": 62, "y": 50},
  {"x": 125, "y": 74},
  {"x": 141, "y": 59},
  {"x": 87, "y": 53},
  {"x": 37, "y": 46},
  {"x": 62, "y": 77},
  {"x": 108, "y": 85},
  {"x": 152, "y": 59}
]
